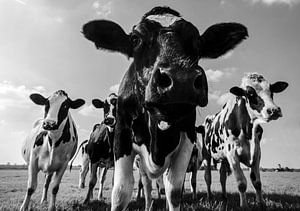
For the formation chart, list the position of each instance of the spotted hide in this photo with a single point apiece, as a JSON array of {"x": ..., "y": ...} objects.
[
  {"x": 51, "y": 144},
  {"x": 159, "y": 93},
  {"x": 232, "y": 136}
]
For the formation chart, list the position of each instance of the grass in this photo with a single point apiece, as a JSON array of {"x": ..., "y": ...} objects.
[{"x": 281, "y": 192}]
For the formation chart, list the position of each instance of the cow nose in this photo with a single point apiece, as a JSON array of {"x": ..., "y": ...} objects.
[
  {"x": 274, "y": 112},
  {"x": 164, "y": 81},
  {"x": 49, "y": 124},
  {"x": 109, "y": 120}
]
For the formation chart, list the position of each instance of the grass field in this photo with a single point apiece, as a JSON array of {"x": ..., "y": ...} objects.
[{"x": 281, "y": 192}]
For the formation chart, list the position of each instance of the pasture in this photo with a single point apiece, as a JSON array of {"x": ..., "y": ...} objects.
[{"x": 281, "y": 192}]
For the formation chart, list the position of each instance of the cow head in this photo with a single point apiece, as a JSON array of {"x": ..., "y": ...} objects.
[
  {"x": 166, "y": 49},
  {"x": 56, "y": 108},
  {"x": 109, "y": 108},
  {"x": 259, "y": 94}
]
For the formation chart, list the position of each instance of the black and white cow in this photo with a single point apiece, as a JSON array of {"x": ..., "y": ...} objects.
[
  {"x": 159, "y": 93},
  {"x": 232, "y": 136},
  {"x": 85, "y": 162},
  {"x": 100, "y": 145},
  {"x": 51, "y": 144}
]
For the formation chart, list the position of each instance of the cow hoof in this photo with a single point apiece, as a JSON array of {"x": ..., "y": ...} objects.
[{"x": 223, "y": 206}]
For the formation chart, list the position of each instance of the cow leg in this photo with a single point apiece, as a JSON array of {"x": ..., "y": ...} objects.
[
  {"x": 240, "y": 178},
  {"x": 140, "y": 187},
  {"x": 46, "y": 186},
  {"x": 223, "y": 178},
  {"x": 174, "y": 175},
  {"x": 207, "y": 177},
  {"x": 55, "y": 186},
  {"x": 160, "y": 186},
  {"x": 255, "y": 179},
  {"x": 102, "y": 177},
  {"x": 147, "y": 186},
  {"x": 193, "y": 181},
  {"x": 82, "y": 174},
  {"x": 92, "y": 183},
  {"x": 31, "y": 185},
  {"x": 123, "y": 183}
]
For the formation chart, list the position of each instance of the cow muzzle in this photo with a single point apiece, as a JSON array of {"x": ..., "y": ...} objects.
[
  {"x": 49, "y": 125},
  {"x": 274, "y": 113},
  {"x": 110, "y": 121}
]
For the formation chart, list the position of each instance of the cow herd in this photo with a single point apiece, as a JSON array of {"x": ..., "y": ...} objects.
[{"x": 151, "y": 121}]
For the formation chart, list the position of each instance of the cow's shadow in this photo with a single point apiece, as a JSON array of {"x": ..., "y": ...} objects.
[{"x": 274, "y": 201}]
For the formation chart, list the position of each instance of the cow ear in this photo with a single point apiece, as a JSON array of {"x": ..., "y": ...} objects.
[
  {"x": 76, "y": 103},
  {"x": 220, "y": 38},
  {"x": 98, "y": 103},
  {"x": 200, "y": 129},
  {"x": 38, "y": 99},
  {"x": 237, "y": 91},
  {"x": 108, "y": 35},
  {"x": 278, "y": 86}
]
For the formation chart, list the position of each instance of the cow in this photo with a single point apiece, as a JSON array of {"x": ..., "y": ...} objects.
[
  {"x": 85, "y": 162},
  {"x": 233, "y": 135},
  {"x": 51, "y": 144},
  {"x": 100, "y": 145},
  {"x": 158, "y": 94}
]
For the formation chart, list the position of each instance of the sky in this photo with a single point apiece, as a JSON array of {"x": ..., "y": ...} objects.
[{"x": 43, "y": 50}]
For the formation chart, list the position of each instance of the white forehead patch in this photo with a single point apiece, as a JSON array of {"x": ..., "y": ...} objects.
[{"x": 164, "y": 20}]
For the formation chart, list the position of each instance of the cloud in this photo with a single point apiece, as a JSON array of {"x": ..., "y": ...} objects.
[
  {"x": 114, "y": 88},
  {"x": 2, "y": 123},
  {"x": 271, "y": 2},
  {"x": 227, "y": 55},
  {"x": 221, "y": 99},
  {"x": 265, "y": 140},
  {"x": 21, "y": 2},
  {"x": 102, "y": 9},
  {"x": 216, "y": 75},
  {"x": 91, "y": 111},
  {"x": 16, "y": 96}
]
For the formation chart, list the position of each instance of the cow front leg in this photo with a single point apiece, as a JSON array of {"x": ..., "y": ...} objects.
[
  {"x": 123, "y": 183},
  {"x": 31, "y": 185},
  {"x": 223, "y": 177},
  {"x": 175, "y": 174},
  {"x": 240, "y": 178},
  {"x": 102, "y": 177},
  {"x": 193, "y": 181},
  {"x": 55, "y": 186},
  {"x": 92, "y": 183},
  {"x": 147, "y": 186},
  {"x": 207, "y": 177},
  {"x": 140, "y": 187},
  {"x": 256, "y": 182},
  {"x": 46, "y": 186},
  {"x": 82, "y": 173}
]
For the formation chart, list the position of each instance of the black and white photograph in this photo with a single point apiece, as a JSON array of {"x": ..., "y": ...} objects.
[{"x": 149, "y": 105}]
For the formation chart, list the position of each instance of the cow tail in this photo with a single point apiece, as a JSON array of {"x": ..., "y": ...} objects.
[{"x": 71, "y": 164}]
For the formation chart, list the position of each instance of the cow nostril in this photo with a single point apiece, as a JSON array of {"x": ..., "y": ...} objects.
[
  {"x": 270, "y": 111},
  {"x": 198, "y": 82},
  {"x": 164, "y": 80}
]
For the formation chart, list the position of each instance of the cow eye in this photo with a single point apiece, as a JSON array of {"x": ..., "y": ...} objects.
[{"x": 136, "y": 41}]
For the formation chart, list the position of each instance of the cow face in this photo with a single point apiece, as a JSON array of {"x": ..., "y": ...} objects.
[
  {"x": 166, "y": 50},
  {"x": 56, "y": 108},
  {"x": 259, "y": 94},
  {"x": 109, "y": 108}
]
